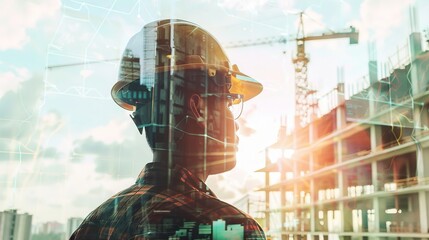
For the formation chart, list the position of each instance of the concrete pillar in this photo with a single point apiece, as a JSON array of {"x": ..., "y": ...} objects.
[
  {"x": 373, "y": 71},
  {"x": 374, "y": 176},
  {"x": 376, "y": 206},
  {"x": 425, "y": 229},
  {"x": 422, "y": 164},
  {"x": 341, "y": 184},
  {"x": 346, "y": 217},
  {"x": 313, "y": 216},
  {"x": 340, "y": 110},
  {"x": 419, "y": 121},
  {"x": 415, "y": 41},
  {"x": 364, "y": 219},
  {"x": 312, "y": 187},
  {"x": 423, "y": 116},
  {"x": 296, "y": 200},
  {"x": 342, "y": 207},
  {"x": 267, "y": 193},
  {"x": 375, "y": 203},
  {"x": 381, "y": 213},
  {"x": 422, "y": 174},
  {"x": 375, "y": 138},
  {"x": 373, "y": 78},
  {"x": 283, "y": 199},
  {"x": 423, "y": 210}
]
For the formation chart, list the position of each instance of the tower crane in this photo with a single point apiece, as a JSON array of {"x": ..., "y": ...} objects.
[{"x": 305, "y": 105}]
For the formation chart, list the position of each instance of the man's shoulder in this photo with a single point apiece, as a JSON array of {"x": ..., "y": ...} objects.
[{"x": 141, "y": 209}]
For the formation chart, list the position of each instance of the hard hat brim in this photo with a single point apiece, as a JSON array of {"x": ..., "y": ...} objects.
[
  {"x": 245, "y": 85},
  {"x": 240, "y": 84}
]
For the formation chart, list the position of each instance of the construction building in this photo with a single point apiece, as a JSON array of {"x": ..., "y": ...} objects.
[{"x": 360, "y": 170}]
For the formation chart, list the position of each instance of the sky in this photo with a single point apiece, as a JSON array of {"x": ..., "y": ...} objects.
[{"x": 65, "y": 146}]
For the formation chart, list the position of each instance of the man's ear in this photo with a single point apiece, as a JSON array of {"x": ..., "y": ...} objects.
[{"x": 196, "y": 106}]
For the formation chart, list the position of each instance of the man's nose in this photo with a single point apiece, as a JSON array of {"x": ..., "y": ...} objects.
[{"x": 236, "y": 126}]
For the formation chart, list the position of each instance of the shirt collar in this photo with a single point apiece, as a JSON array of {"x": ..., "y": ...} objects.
[{"x": 156, "y": 173}]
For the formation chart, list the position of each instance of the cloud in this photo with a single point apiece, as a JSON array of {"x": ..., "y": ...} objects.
[
  {"x": 287, "y": 6},
  {"x": 18, "y": 16},
  {"x": 72, "y": 35},
  {"x": 123, "y": 157},
  {"x": 250, "y": 183},
  {"x": 243, "y": 127},
  {"x": 22, "y": 99},
  {"x": 221, "y": 187},
  {"x": 11, "y": 150},
  {"x": 113, "y": 132},
  {"x": 233, "y": 185},
  {"x": 19, "y": 109},
  {"x": 23, "y": 142},
  {"x": 313, "y": 22},
  {"x": 24, "y": 130},
  {"x": 59, "y": 190},
  {"x": 243, "y": 5},
  {"x": 378, "y": 21},
  {"x": 98, "y": 191},
  {"x": 50, "y": 121},
  {"x": 12, "y": 80},
  {"x": 51, "y": 153}
]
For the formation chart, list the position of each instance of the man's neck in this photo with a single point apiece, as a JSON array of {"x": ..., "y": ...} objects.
[{"x": 163, "y": 156}]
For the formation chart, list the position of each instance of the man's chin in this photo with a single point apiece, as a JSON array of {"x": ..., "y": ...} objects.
[
  {"x": 214, "y": 164},
  {"x": 221, "y": 164}
]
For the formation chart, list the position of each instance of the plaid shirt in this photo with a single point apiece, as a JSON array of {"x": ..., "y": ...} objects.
[{"x": 150, "y": 209}]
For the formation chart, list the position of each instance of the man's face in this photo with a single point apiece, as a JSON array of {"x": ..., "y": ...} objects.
[
  {"x": 215, "y": 145},
  {"x": 222, "y": 140}
]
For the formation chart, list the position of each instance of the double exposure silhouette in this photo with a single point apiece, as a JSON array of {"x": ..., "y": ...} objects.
[{"x": 185, "y": 96}]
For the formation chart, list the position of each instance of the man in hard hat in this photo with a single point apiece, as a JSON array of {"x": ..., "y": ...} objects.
[{"x": 182, "y": 91}]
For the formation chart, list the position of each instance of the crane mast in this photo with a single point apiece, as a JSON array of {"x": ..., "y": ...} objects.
[
  {"x": 305, "y": 99},
  {"x": 304, "y": 105}
]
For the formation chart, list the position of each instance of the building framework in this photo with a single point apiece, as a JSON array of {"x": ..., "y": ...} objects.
[{"x": 361, "y": 171}]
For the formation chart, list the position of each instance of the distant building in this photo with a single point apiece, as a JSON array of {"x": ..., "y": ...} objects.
[
  {"x": 51, "y": 230},
  {"x": 14, "y": 226},
  {"x": 72, "y": 224},
  {"x": 52, "y": 227}
]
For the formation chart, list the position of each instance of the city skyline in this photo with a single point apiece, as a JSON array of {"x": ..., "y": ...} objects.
[
  {"x": 218, "y": 229},
  {"x": 22, "y": 227}
]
